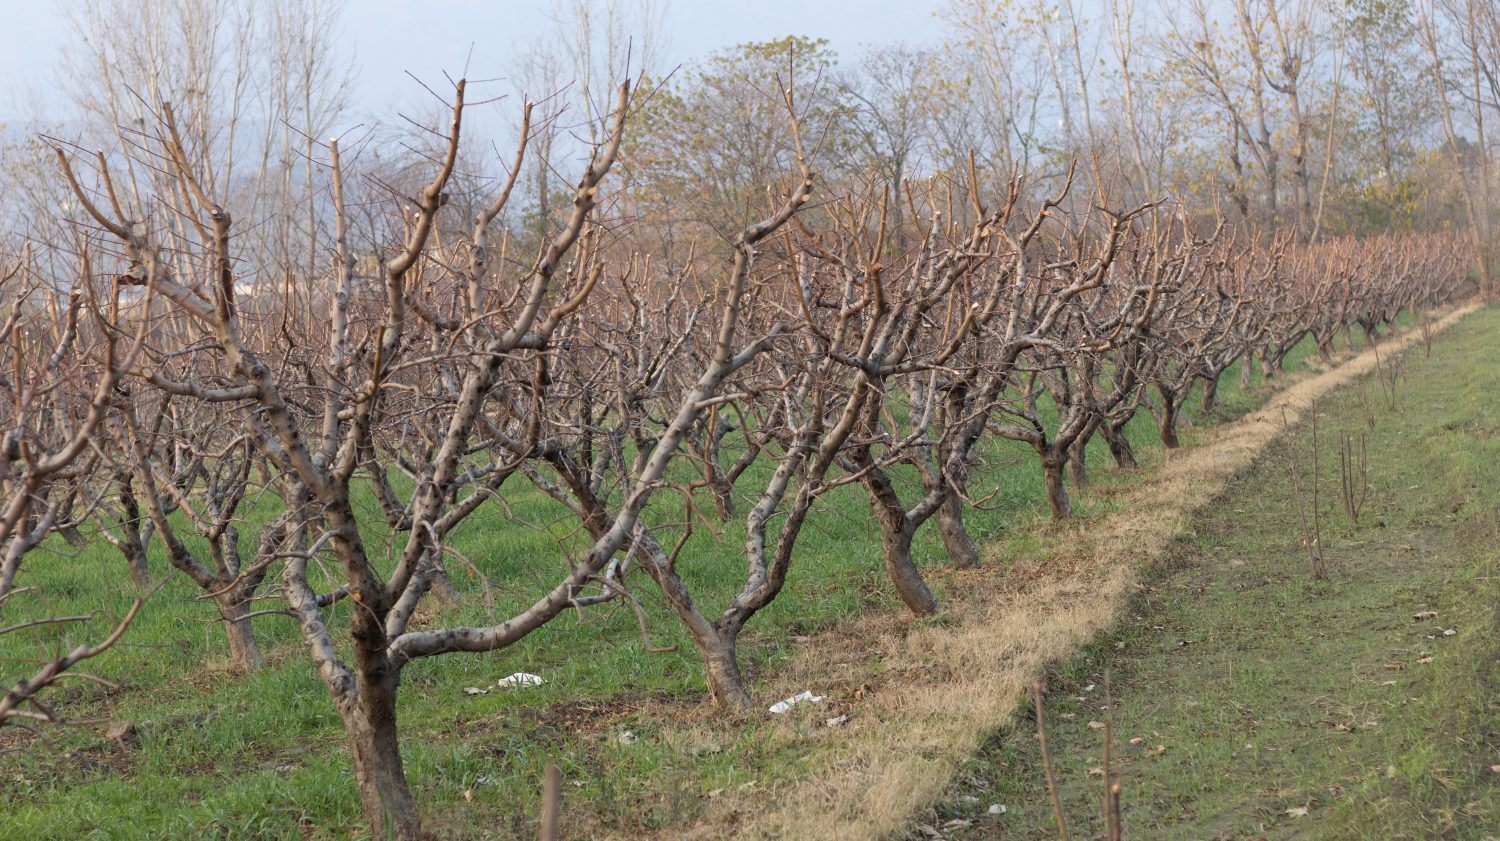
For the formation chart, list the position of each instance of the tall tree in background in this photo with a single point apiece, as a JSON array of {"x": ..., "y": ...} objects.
[
  {"x": 708, "y": 140},
  {"x": 252, "y": 82}
]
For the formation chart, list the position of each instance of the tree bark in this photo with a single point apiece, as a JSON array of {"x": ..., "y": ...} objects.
[
  {"x": 383, "y": 793},
  {"x": 956, "y": 539},
  {"x": 910, "y": 588},
  {"x": 1166, "y": 425},
  {"x": 1210, "y": 394},
  {"x": 1119, "y": 446},
  {"x": 135, "y": 560},
  {"x": 1078, "y": 466},
  {"x": 244, "y": 650},
  {"x": 896, "y": 532},
  {"x": 722, "y": 669},
  {"x": 1057, "y": 488}
]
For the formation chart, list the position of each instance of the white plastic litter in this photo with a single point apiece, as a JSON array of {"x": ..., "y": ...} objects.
[
  {"x": 519, "y": 679},
  {"x": 783, "y": 706},
  {"x": 474, "y": 690},
  {"x": 998, "y": 809},
  {"x": 836, "y": 720},
  {"x": 628, "y": 738}
]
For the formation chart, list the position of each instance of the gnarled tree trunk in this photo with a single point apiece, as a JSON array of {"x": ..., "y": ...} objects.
[
  {"x": 384, "y": 795},
  {"x": 956, "y": 539},
  {"x": 244, "y": 651},
  {"x": 1057, "y": 487},
  {"x": 1119, "y": 445},
  {"x": 1210, "y": 394}
]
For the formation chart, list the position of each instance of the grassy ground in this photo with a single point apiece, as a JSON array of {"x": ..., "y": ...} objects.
[
  {"x": 262, "y": 755},
  {"x": 1250, "y": 700}
]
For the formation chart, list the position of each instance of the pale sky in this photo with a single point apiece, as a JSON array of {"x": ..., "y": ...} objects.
[{"x": 426, "y": 37}]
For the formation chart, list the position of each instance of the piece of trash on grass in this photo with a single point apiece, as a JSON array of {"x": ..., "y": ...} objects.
[
  {"x": 1096, "y": 725},
  {"x": 1297, "y": 812},
  {"x": 627, "y": 738},
  {"x": 1424, "y": 614},
  {"x": 998, "y": 808},
  {"x": 1448, "y": 632},
  {"x": 957, "y": 823},
  {"x": 836, "y": 720},
  {"x": 474, "y": 690},
  {"x": 783, "y": 706},
  {"x": 519, "y": 679}
]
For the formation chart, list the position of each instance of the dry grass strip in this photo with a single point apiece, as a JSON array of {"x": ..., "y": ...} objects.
[{"x": 942, "y": 687}]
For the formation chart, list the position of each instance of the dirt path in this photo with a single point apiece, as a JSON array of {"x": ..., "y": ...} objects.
[
  {"x": 944, "y": 686},
  {"x": 1251, "y": 700}
]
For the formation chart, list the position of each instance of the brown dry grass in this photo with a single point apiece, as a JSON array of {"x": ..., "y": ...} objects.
[{"x": 921, "y": 696}]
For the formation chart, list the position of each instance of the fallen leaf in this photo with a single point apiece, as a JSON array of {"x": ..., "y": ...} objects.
[
  {"x": 1137, "y": 740},
  {"x": 1096, "y": 772},
  {"x": 998, "y": 809},
  {"x": 1297, "y": 812},
  {"x": 1424, "y": 614},
  {"x": 957, "y": 823},
  {"x": 1096, "y": 725},
  {"x": 1159, "y": 750}
]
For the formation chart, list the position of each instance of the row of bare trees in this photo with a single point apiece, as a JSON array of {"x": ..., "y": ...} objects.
[{"x": 874, "y": 339}]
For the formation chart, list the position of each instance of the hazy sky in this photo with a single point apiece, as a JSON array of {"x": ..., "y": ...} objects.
[{"x": 389, "y": 37}]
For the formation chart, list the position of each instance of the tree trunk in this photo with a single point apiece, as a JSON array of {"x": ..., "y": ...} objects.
[
  {"x": 1247, "y": 368},
  {"x": 442, "y": 585},
  {"x": 910, "y": 588},
  {"x": 723, "y": 494},
  {"x": 1057, "y": 488},
  {"x": 722, "y": 669},
  {"x": 961, "y": 548},
  {"x": 1166, "y": 425},
  {"x": 135, "y": 560},
  {"x": 383, "y": 793},
  {"x": 1119, "y": 446},
  {"x": 244, "y": 650},
  {"x": 896, "y": 532},
  {"x": 1078, "y": 466},
  {"x": 1210, "y": 394}
]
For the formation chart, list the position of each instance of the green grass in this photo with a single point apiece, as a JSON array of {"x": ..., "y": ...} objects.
[
  {"x": 1257, "y": 692},
  {"x": 263, "y": 755}
]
